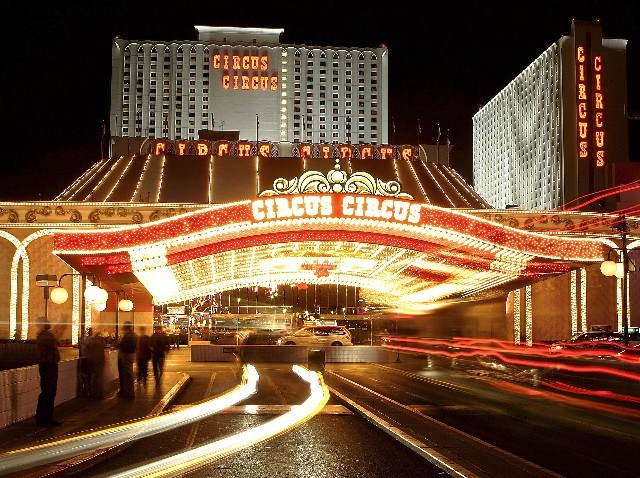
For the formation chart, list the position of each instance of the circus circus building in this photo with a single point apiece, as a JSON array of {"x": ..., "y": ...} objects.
[{"x": 226, "y": 226}]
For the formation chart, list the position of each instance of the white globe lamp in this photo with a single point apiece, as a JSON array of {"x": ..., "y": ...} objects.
[
  {"x": 58, "y": 295},
  {"x": 125, "y": 305},
  {"x": 100, "y": 306}
]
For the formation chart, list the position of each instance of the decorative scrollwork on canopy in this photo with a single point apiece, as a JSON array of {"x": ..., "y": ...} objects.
[{"x": 336, "y": 181}]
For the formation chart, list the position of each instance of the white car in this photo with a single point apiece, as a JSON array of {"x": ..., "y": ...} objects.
[{"x": 318, "y": 335}]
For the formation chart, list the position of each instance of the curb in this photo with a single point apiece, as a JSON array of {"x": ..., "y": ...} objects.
[
  {"x": 435, "y": 458},
  {"x": 82, "y": 462}
]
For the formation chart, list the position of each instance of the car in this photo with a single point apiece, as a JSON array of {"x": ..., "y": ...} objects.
[
  {"x": 590, "y": 341},
  {"x": 318, "y": 335}
]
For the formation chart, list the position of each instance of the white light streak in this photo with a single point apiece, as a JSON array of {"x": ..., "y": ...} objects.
[
  {"x": 206, "y": 454},
  {"x": 24, "y": 458}
]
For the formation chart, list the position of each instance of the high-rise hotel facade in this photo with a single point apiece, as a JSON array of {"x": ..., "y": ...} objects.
[
  {"x": 558, "y": 130},
  {"x": 245, "y": 80}
]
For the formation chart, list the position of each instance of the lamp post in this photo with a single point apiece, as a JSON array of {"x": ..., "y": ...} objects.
[
  {"x": 621, "y": 271},
  {"x": 46, "y": 281}
]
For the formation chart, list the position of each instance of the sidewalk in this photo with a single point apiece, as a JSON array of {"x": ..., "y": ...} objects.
[{"x": 83, "y": 414}]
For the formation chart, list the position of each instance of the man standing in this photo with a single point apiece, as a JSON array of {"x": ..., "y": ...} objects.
[
  {"x": 49, "y": 357},
  {"x": 126, "y": 358},
  {"x": 159, "y": 346},
  {"x": 95, "y": 363},
  {"x": 143, "y": 354}
]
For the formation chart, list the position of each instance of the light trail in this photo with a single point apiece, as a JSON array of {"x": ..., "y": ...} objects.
[
  {"x": 55, "y": 451},
  {"x": 196, "y": 458}
]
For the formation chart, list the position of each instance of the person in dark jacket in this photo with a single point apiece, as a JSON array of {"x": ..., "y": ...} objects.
[
  {"x": 126, "y": 358},
  {"x": 95, "y": 363},
  {"x": 159, "y": 346},
  {"x": 49, "y": 357},
  {"x": 143, "y": 355}
]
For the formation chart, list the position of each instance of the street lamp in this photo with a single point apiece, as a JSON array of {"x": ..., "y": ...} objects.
[{"x": 621, "y": 270}]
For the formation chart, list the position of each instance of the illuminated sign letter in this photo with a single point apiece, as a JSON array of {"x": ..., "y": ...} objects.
[
  {"x": 216, "y": 61},
  {"x": 367, "y": 152},
  {"x": 345, "y": 152},
  {"x": 406, "y": 153},
  {"x": 597, "y": 63},
  {"x": 235, "y": 83},
  {"x": 258, "y": 209},
  {"x": 265, "y": 150},
  {"x": 582, "y": 130},
  {"x": 305, "y": 151},
  {"x": 274, "y": 83},
  {"x": 599, "y": 123},
  {"x": 236, "y": 62},
  {"x": 583, "y": 149},
  {"x": 386, "y": 152},
  {"x": 325, "y": 152},
  {"x": 244, "y": 149},
  {"x": 599, "y": 105},
  {"x": 182, "y": 148},
  {"x": 255, "y": 62},
  {"x": 598, "y": 81},
  {"x": 600, "y": 158},
  {"x": 223, "y": 149},
  {"x": 246, "y": 61},
  {"x": 255, "y": 80},
  {"x": 264, "y": 63},
  {"x": 226, "y": 83},
  {"x": 582, "y": 91},
  {"x": 599, "y": 139},
  {"x": 161, "y": 147},
  {"x": 264, "y": 83},
  {"x": 203, "y": 149},
  {"x": 226, "y": 62},
  {"x": 582, "y": 110},
  {"x": 245, "y": 82},
  {"x": 581, "y": 54}
]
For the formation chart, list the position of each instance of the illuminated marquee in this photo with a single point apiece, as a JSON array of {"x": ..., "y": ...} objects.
[
  {"x": 590, "y": 106},
  {"x": 335, "y": 206},
  {"x": 245, "y": 72},
  {"x": 266, "y": 149}
]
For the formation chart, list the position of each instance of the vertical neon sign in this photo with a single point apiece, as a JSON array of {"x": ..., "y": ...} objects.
[{"x": 598, "y": 104}]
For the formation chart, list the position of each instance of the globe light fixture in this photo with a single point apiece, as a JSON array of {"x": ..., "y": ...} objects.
[
  {"x": 100, "y": 306},
  {"x": 608, "y": 268},
  {"x": 101, "y": 295},
  {"x": 58, "y": 295},
  {"x": 92, "y": 293},
  {"x": 125, "y": 305},
  {"x": 619, "y": 273}
]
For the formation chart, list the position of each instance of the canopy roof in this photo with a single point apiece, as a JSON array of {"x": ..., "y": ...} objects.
[{"x": 408, "y": 251}]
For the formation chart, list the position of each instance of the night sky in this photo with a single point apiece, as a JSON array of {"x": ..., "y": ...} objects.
[{"x": 445, "y": 60}]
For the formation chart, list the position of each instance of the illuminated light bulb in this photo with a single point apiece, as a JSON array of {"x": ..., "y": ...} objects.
[
  {"x": 125, "y": 305},
  {"x": 619, "y": 270},
  {"x": 100, "y": 306},
  {"x": 91, "y": 293},
  {"x": 608, "y": 268},
  {"x": 58, "y": 295},
  {"x": 101, "y": 295}
]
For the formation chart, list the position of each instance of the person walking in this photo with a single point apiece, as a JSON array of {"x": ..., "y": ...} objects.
[
  {"x": 143, "y": 355},
  {"x": 159, "y": 346},
  {"x": 49, "y": 357},
  {"x": 95, "y": 363},
  {"x": 126, "y": 357}
]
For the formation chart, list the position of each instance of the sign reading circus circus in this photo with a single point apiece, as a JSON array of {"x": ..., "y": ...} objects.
[{"x": 267, "y": 149}]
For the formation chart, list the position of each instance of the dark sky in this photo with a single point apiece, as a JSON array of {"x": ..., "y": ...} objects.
[{"x": 445, "y": 59}]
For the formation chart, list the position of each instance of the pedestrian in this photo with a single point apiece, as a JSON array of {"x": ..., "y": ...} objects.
[
  {"x": 83, "y": 371},
  {"x": 159, "y": 347},
  {"x": 49, "y": 357},
  {"x": 143, "y": 355},
  {"x": 95, "y": 362},
  {"x": 126, "y": 358}
]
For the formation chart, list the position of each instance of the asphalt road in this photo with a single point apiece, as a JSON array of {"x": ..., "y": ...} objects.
[{"x": 329, "y": 445}]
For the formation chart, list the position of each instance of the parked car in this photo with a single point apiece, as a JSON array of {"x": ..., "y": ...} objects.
[{"x": 318, "y": 335}]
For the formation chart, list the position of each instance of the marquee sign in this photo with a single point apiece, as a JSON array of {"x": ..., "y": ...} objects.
[
  {"x": 266, "y": 149},
  {"x": 590, "y": 105},
  {"x": 249, "y": 71}
]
